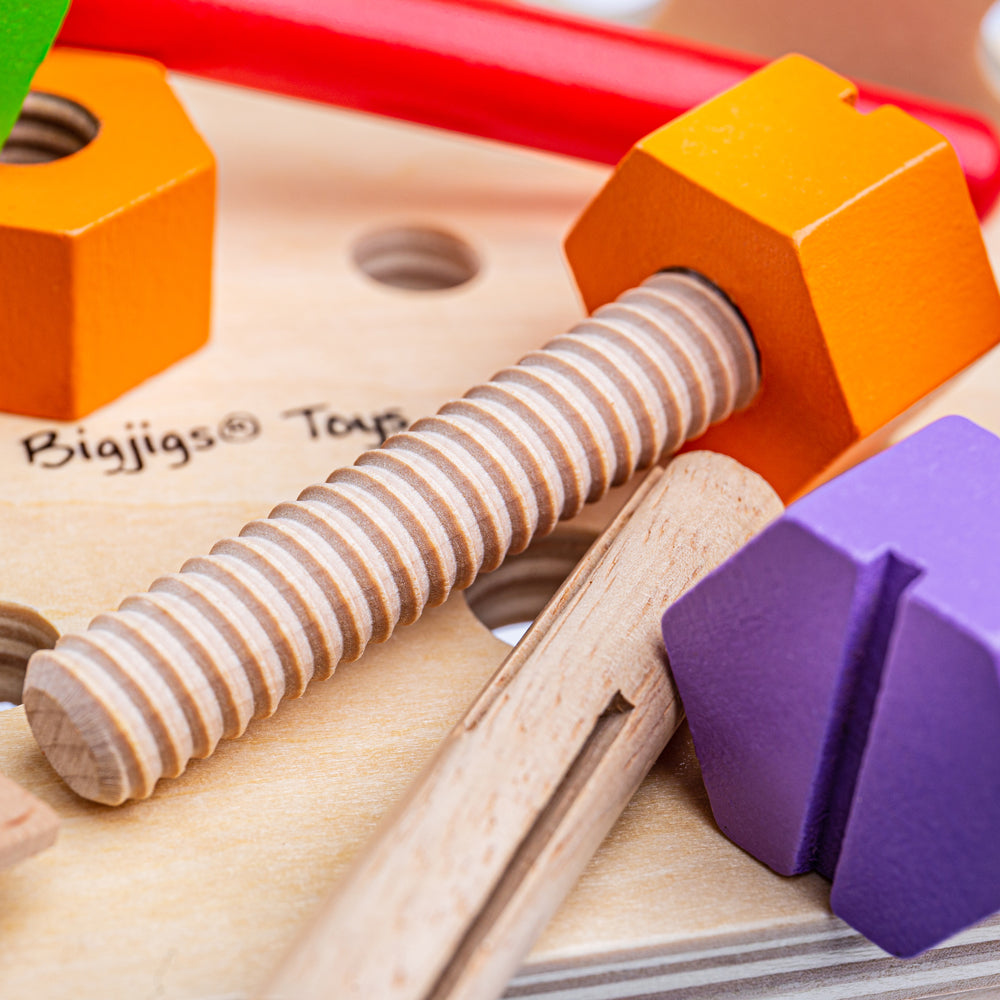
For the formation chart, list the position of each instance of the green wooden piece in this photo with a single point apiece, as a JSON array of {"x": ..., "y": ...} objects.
[{"x": 27, "y": 30}]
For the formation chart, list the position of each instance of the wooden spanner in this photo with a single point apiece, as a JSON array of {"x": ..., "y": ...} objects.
[{"x": 453, "y": 889}]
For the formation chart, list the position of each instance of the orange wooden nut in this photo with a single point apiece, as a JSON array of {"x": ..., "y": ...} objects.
[
  {"x": 106, "y": 254},
  {"x": 848, "y": 242}
]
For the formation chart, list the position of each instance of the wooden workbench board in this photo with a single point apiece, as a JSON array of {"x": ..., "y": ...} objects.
[{"x": 196, "y": 892}]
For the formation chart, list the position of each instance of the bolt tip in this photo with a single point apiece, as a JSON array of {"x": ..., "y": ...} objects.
[{"x": 57, "y": 714}]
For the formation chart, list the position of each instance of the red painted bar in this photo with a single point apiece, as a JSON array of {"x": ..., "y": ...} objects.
[{"x": 567, "y": 85}]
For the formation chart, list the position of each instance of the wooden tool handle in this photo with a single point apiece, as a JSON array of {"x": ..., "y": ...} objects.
[
  {"x": 452, "y": 891},
  {"x": 27, "y": 825},
  {"x": 173, "y": 671}
]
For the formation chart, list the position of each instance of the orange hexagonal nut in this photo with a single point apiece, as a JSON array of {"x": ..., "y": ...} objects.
[
  {"x": 847, "y": 241},
  {"x": 105, "y": 254}
]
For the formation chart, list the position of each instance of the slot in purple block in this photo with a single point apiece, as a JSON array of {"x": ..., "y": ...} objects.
[{"x": 840, "y": 674}]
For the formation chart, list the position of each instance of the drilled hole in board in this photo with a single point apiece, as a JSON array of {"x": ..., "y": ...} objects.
[
  {"x": 22, "y": 632},
  {"x": 425, "y": 260},
  {"x": 49, "y": 128},
  {"x": 509, "y": 599}
]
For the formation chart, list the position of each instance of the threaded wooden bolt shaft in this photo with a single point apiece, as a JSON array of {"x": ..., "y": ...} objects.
[{"x": 174, "y": 670}]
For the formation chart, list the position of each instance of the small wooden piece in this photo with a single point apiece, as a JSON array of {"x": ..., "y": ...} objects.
[
  {"x": 26, "y": 34},
  {"x": 850, "y": 244},
  {"x": 106, "y": 250},
  {"x": 450, "y": 895},
  {"x": 206, "y": 650},
  {"x": 27, "y": 825},
  {"x": 844, "y": 698}
]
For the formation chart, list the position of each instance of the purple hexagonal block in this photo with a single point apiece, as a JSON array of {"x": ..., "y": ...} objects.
[{"x": 842, "y": 679}]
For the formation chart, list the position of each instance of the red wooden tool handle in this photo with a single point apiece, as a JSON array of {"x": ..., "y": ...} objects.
[{"x": 539, "y": 79}]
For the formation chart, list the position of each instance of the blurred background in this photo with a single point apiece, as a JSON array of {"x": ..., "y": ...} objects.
[{"x": 893, "y": 42}]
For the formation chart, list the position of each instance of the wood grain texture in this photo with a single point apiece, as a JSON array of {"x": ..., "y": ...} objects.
[
  {"x": 196, "y": 893},
  {"x": 27, "y": 825},
  {"x": 204, "y": 651},
  {"x": 448, "y": 898}
]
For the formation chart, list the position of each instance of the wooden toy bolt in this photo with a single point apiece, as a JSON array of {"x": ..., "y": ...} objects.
[
  {"x": 27, "y": 825},
  {"x": 810, "y": 260},
  {"x": 833, "y": 225},
  {"x": 106, "y": 228}
]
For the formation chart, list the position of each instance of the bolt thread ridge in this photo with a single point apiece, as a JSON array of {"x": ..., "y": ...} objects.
[{"x": 205, "y": 650}]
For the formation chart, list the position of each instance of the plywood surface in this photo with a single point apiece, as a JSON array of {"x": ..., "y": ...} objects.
[{"x": 196, "y": 892}]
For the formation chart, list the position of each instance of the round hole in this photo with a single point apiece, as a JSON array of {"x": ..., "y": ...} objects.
[
  {"x": 507, "y": 600},
  {"x": 426, "y": 260},
  {"x": 49, "y": 128}
]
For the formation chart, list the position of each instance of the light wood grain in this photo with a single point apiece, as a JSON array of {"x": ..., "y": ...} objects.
[
  {"x": 27, "y": 825},
  {"x": 448, "y": 898}
]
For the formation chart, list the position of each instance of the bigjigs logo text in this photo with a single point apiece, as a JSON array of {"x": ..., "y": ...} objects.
[{"x": 141, "y": 446}]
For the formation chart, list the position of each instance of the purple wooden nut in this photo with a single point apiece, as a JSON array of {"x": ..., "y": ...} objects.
[{"x": 840, "y": 674}]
